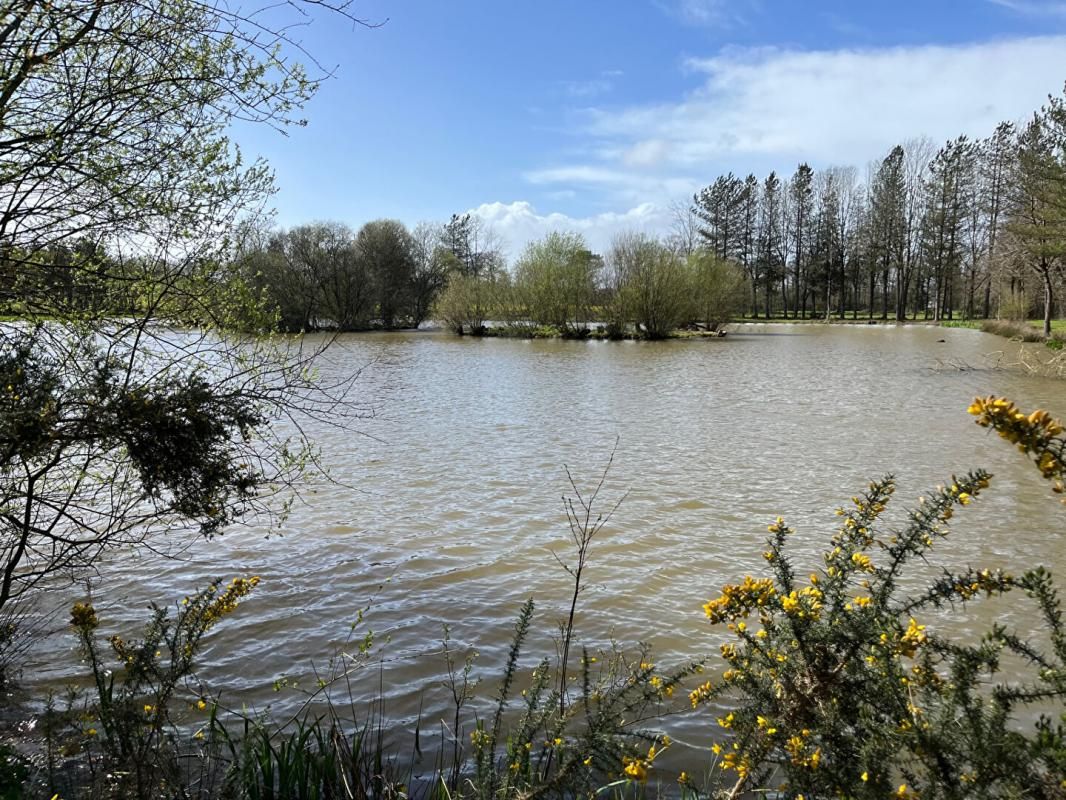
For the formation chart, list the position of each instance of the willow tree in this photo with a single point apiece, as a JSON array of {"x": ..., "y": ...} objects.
[
  {"x": 555, "y": 280},
  {"x": 113, "y": 122},
  {"x": 654, "y": 284}
]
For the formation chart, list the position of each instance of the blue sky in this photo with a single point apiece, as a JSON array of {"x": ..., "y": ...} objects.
[{"x": 595, "y": 116}]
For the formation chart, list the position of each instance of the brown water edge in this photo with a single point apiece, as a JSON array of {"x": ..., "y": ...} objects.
[{"x": 449, "y": 510}]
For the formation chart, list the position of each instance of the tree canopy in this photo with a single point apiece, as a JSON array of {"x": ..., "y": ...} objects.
[{"x": 119, "y": 195}]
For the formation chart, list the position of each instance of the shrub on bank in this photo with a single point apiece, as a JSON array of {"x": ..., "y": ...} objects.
[
  {"x": 1012, "y": 329},
  {"x": 841, "y": 683}
]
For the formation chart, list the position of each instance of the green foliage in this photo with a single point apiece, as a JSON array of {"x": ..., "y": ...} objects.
[
  {"x": 719, "y": 288},
  {"x": 555, "y": 282},
  {"x": 55, "y": 414},
  {"x": 468, "y": 302},
  {"x": 126, "y": 730},
  {"x": 653, "y": 283},
  {"x": 387, "y": 250},
  {"x": 847, "y": 689},
  {"x": 324, "y": 276},
  {"x": 115, "y": 113},
  {"x": 318, "y": 757}
]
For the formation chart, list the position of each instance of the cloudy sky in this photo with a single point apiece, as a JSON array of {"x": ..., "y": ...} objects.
[{"x": 596, "y": 115}]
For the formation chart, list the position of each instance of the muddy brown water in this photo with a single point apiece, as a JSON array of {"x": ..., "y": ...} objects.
[{"x": 447, "y": 507}]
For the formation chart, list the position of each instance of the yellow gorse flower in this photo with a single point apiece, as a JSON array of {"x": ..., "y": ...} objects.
[
  {"x": 913, "y": 638},
  {"x": 700, "y": 693},
  {"x": 635, "y": 769},
  {"x": 738, "y": 600},
  {"x": 226, "y": 602},
  {"x": 1036, "y": 434},
  {"x": 862, "y": 561},
  {"x": 83, "y": 617}
]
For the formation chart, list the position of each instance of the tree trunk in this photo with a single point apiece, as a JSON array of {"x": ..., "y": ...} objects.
[
  {"x": 873, "y": 279},
  {"x": 1049, "y": 298}
]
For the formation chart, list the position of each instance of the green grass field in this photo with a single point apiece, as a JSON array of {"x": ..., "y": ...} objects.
[{"x": 1056, "y": 324}]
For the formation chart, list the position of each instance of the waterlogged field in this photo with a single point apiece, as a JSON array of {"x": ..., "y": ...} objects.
[{"x": 447, "y": 503}]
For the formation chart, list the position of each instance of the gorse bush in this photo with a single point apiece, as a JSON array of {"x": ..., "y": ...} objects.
[
  {"x": 1035, "y": 434},
  {"x": 126, "y": 729},
  {"x": 841, "y": 685}
]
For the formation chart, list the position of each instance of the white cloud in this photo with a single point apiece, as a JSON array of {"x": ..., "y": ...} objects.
[
  {"x": 632, "y": 186},
  {"x": 519, "y": 223},
  {"x": 769, "y": 108},
  {"x": 843, "y": 106},
  {"x": 762, "y": 109}
]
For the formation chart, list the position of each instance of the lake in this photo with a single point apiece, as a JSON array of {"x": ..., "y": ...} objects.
[{"x": 447, "y": 502}]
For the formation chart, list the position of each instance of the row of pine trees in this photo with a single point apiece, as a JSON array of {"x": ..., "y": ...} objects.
[{"x": 959, "y": 231}]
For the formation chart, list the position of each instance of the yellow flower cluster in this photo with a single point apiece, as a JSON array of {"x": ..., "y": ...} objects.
[
  {"x": 636, "y": 769},
  {"x": 83, "y": 617},
  {"x": 1036, "y": 433},
  {"x": 1014, "y": 425},
  {"x": 907, "y": 643},
  {"x": 226, "y": 602},
  {"x": 862, "y": 601},
  {"x": 479, "y": 738},
  {"x": 913, "y": 638},
  {"x": 765, "y": 725},
  {"x": 778, "y": 526},
  {"x": 801, "y": 753},
  {"x": 862, "y": 561},
  {"x": 856, "y": 525},
  {"x": 737, "y": 600},
  {"x": 738, "y": 762},
  {"x": 804, "y": 604},
  {"x": 700, "y": 693}
]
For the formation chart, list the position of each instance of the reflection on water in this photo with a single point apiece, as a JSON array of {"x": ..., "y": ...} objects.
[{"x": 447, "y": 506}]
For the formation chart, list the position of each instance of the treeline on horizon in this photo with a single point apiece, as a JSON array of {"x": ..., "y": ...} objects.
[
  {"x": 326, "y": 276},
  {"x": 973, "y": 229}
]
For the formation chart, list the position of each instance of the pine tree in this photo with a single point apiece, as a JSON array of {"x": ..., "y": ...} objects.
[{"x": 1038, "y": 213}]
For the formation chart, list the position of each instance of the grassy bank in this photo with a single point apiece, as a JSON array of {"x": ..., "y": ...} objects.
[{"x": 1015, "y": 330}]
